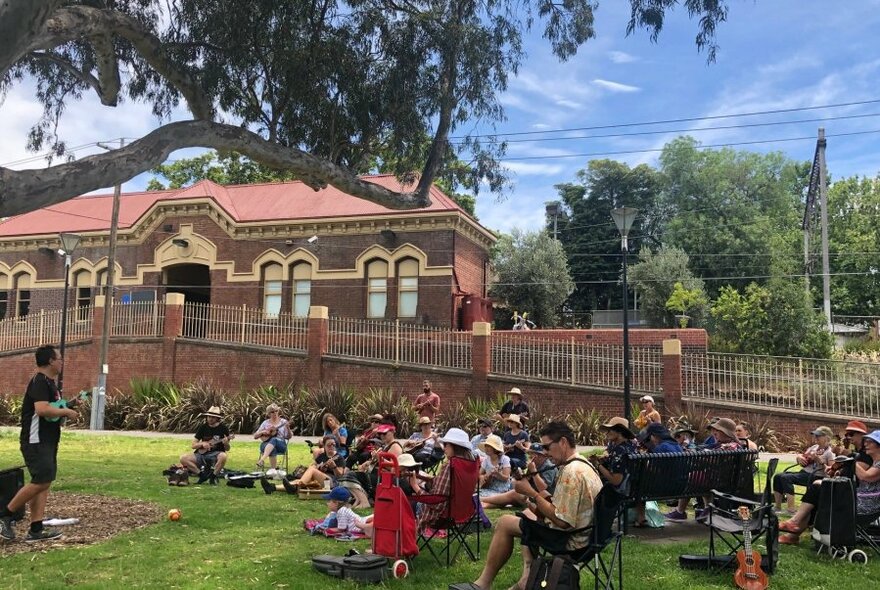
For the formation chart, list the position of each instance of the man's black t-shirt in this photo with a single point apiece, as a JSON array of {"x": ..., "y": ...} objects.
[
  {"x": 213, "y": 433},
  {"x": 520, "y": 409},
  {"x": 34, "y": 429}
]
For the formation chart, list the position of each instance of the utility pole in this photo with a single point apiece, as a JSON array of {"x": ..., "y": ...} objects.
[
  {"x": 100, "y": 391},
  {"x": 823, "y": 201},
  {"x": 552, "y": 210}
]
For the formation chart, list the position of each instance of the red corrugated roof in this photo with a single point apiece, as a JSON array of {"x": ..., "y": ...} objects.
[{"x": 280, "y": 201}]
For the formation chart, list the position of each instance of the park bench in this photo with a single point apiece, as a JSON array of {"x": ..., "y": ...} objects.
[{"x": 669, "y": 476}]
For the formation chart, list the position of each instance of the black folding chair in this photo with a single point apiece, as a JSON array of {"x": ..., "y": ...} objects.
[{"x": 727, "y": 528}]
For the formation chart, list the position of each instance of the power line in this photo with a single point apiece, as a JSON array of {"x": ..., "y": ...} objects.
[
  {"x": 700, "y": 147},
  {"x": 678, "y": 120}
]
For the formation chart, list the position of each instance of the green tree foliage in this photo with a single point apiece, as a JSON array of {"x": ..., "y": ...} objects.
[
  {"x": 776, "y": 319},
  {"x": 854, "y": 243},
  {"x": 684, "y": 301},
  {"x": 531, "y": 275},
  {"x": 229, "y": 168},
  {"x": 655, "y": 277},
  {"x": 736, "y": 213},
  {"x": 590, "y": 238}
]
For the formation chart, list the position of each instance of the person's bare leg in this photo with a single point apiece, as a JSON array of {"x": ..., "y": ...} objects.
[
  {"x": 527, "y": 559},
  {"x": 27, "y": 494},
  {"x": 361, "y": 499},
  {"x": 777, "y": 499},
  {"x": 38, "y": 505},
  {"x": 500, "y": 549},
  {"x": 267, "y": 452},
  {"x": 221, "y": 461},
  {"x": 802, "y": 516},
  {"x": 273, "y": 461},
  {"x": 502, "y": 500},
  {"x": 188, "y": 460}
]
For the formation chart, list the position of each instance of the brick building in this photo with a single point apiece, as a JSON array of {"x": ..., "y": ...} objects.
[{"x": 281, "y": 247}]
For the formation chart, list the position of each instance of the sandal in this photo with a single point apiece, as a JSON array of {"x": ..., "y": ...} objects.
[
  {"x": 789, "y": 539},
  {"x": 788, "y": 527}
]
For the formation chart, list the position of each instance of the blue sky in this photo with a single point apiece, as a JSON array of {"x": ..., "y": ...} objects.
[{"x": 774, "y": 54}]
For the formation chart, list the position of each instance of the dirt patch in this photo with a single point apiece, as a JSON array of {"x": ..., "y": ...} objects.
[{"x": 100, "y": 518}]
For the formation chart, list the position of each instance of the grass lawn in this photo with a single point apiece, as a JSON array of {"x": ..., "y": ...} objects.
[{"x": 233, "y": 538}]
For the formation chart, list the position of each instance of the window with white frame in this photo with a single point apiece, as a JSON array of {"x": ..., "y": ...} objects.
[
  {"x": 81, "y": 281},
  {"x": 377, "y": 288},
  {"x": 407, "y": 288},
  {"x": 101, "y": 282},
  {"x": 302, "y": 289},
  {"x": 272, "y": 281},
  {"x": 23, "y": 295}
]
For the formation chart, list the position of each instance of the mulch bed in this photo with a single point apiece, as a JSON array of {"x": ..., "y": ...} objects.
[{"x": 100, "y": 518}]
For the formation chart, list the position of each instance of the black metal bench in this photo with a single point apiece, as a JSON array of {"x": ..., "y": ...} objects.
[{"x": 668, "y": 476}]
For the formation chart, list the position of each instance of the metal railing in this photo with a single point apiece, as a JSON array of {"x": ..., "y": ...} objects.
[
  {"x": 44, "y": 327},
  {"x": 244, "y": 325},
  {"x": 141, "y": 318},
  {"x": 399, "y": 343},
  {"x": 577, "y": 363},
  {"x": 840, "y": 388}
]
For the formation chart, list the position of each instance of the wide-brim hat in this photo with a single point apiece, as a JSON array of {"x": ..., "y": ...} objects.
[
  {"x": 424, "y": 420},
  {"x": 725, "y": 425},
  {"x": 492, "y": 441},
  {"x": 874, "y": 436},
  {"x": 856, "y": 426},
  {"x": 407, "y": 460},
  {"x": 458, "y": 437},
  {"x": 515, "y": 391},
  {"x": 681, "y": 429},
  {"x": 213, "y": 411},
  {"x": 621, "y": 425},
  {"x": 513, "y": 418}
]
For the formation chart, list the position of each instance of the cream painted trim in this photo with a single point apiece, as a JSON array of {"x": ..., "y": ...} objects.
[
  {"x": 202, "y": 251},
  {"x": 21, "y": 266}
]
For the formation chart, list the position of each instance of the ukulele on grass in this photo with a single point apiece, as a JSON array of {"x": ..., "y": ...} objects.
[{"x": 748, "y": 575}]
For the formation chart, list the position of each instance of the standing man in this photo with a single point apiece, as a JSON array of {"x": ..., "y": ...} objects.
[
  {"x": 39, "y": 446},
  {"x": 209, "y": 448},
  {"x": 428, "y": 402}
]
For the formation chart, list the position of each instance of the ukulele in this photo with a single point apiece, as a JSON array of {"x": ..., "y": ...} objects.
[
  {"x": 63, "y": 403},
  {"x": 223, "y": 441},
  {"x": 748, "y": 575}
]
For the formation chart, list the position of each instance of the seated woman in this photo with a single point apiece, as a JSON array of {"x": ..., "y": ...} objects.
[
  {"x": 516, "y": 441},
  {"x": 421, "y": 444},
  {"x": 274, "y": 432},
  {"x": 540, "y": 471},
  {"x": 744, "y": 435},
  {"x": 867, "y": 493},
  {"x": 455, "y": 444},
  {"x": 328, "y": 465},
  {"x": 494, "y": 468},
  {"x": 333, "y": 427},
  {"x": 812, "y": 462},
  {"x": 411, "y": 482}
]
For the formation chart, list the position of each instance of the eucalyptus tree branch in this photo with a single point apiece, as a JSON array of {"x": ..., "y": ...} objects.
[
  {"x": 27, "y": 190},
  {"x": 108, "y": 69},
  {"x": 20, "y": 21},
  {"x": 65, "y": 64}
]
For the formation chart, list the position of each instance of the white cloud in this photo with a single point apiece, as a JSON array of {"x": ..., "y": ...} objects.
[
  {"x": 615, "y": 86},
  {"x": 533, "y": 168},
  {"x": 621, "y": 57},
  {"x": 540, "y": 126}
]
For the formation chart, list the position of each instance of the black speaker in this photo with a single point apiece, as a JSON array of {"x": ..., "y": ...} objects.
[{"x": 11, "y": 480}]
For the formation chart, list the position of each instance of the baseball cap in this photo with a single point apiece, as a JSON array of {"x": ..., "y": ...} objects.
[{"x": 339, "y": 494}]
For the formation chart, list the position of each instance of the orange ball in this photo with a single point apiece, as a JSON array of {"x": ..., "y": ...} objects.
[{"x": 174, "y": 514}]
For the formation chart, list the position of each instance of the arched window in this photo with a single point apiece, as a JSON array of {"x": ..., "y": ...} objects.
[
  {"x": 23, "y": 295},
  {"x": 377, "y": 288},
  {"x": 272, "y": 274},
  {"x": 82, "y": 283},
  {"x": 302, "y": 289},
  {"x": 407, "y": 288},
  {"x": 4, "y": 295},
  {"x": 101, "y": 282}
]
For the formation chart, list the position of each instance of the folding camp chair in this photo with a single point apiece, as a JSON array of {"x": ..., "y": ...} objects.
[
  {"x": 608, "y": 510},
  {"x": 726, "y": 528},
  {"x": 460, "y": 514}
]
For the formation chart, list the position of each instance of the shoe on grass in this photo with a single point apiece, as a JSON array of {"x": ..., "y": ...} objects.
[
  {"x": 676, "y": 515},
  {"x": 268, "y": 487},
  {"x": 789, "y": 539},
  {"x": 289, "y": 487},
  {"x": 6, "y": 530},
  {"x": 46, "y": 534}
]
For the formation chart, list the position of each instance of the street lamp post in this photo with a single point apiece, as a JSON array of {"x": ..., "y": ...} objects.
[
  {"x": 623, "y": 219},
  {"x": 69, "y": 242}
]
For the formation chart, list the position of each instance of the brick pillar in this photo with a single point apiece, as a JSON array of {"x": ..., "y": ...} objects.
[
  {"x": 319, "y": 335},
  {"x": 171, "y": 329},
  {"x": 98, "y": 321},
  {"x": 672, "y": 373},
  {"x": 481, "y": 357}
]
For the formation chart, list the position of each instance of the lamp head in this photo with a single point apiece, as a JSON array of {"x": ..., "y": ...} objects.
[
  {"x": 624, "y": 218},
  {"x": 69, "y": 242},
  {"x": 312, "y": 240}
]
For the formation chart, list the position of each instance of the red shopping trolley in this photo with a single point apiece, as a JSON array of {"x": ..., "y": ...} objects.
[{"x": 394, "y": 524}]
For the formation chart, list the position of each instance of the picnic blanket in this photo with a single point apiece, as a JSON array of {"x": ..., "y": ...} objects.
[{"x": 312, "y": 525}]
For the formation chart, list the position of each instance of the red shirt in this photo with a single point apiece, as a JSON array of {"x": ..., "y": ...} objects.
[{"x": 432, "y": 407}]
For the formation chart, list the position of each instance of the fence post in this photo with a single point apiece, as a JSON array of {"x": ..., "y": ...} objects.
[
  {"x": 98, "y": 318},
  {"x": 573, "y": 362},
  {"x": 42, "y": 318},
  {"x": 801, "y": 381},
  {"x": 243, "y": 312},
  {"x": 397, "y": 342},
  {"x": 672, "y": 373},
  {"x": 318, "y": 339},
  {"x": 481, "y": 357}
]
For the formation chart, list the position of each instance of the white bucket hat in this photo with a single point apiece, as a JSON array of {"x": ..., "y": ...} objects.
[
  {"x": 407, "y": 460},
  {"x": 458, "y": 437}
]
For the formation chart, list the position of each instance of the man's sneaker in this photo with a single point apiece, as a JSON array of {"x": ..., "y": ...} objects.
[
  {"x": 268, "y": 487},
  {"x": 204, "y": 476},
  {"x": 43, "y": 535},
  {"x": 213, "y": 479},
  {"x": 701, "y": 514},
  {"x": 676, "y": 515},
  {"x": 6, "y": 530}
]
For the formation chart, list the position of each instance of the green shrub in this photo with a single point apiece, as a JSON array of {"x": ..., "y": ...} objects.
[
  {"x": 380, "y": 400},
  {"x": 10, "y": 409},
  {"x": 585, "y": 424}
]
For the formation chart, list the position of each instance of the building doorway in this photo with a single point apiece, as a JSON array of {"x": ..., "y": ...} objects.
[{"x": 193, "y": 281}]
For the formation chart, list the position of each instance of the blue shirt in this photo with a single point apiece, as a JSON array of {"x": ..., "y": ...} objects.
[
  {"x": 667, "y": 446},
  {"x": 340, "y": 448}
]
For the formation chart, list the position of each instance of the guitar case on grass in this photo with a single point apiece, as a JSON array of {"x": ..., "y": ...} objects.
[
  {"x": 835, "y": 524},
  {"x": 361, "y": 568}
]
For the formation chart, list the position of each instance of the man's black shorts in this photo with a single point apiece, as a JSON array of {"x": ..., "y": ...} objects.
[
  {"x": 41, "y": 460},
  {"x": 538, "y": 535}
]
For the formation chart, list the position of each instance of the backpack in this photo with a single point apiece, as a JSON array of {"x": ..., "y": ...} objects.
[
  {"x": 177, "y": 475},
  {"x": 553, "y": 573}
]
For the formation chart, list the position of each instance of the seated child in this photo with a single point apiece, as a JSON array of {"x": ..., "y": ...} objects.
[{"x": 346, "y": 518}]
